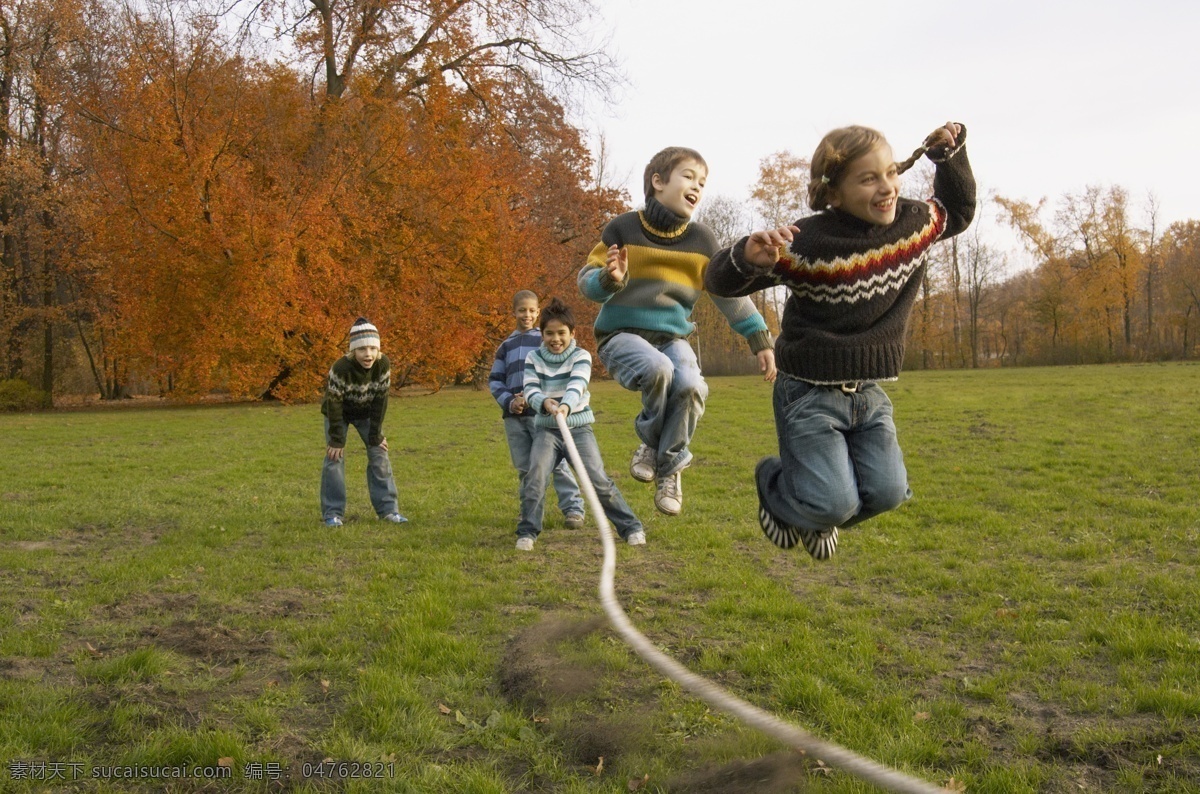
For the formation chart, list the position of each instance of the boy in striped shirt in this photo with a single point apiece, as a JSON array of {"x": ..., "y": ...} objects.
[{"x": 556, "y": 383}]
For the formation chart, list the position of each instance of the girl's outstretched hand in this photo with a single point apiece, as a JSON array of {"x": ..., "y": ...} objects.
[{"x": 762, "y": 248}]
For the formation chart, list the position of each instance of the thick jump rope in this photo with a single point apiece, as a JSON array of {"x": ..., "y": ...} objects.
[{"x": 710, "y": 692}]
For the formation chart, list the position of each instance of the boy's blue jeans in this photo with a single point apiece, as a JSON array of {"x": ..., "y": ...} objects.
[
  {"x": 380, "y": 483},
  {"x": 548, "y": 451},
  {"x": 840, "y": 462},
  {"x": 520, "y": 432},
  {"x": 673, "y": 393}
]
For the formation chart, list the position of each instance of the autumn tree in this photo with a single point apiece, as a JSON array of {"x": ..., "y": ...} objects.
[
  {"x": 780, "y": 193},
  {"x": 37, "y": 227},
  {"x": 247, "y": 220}
]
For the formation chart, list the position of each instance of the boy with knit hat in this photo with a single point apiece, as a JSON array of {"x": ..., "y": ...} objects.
[
  {"x": 357, "y": 394},
  {"x": 647, "y": 271}
]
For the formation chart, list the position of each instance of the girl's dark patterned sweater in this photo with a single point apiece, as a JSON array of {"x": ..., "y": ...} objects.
[
  {"x": 355, "y": 393},
  {"x": 853, "y": 283}
]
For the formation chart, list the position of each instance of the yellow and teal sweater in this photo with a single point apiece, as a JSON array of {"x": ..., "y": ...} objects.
[{"x": 667, "y": 259}]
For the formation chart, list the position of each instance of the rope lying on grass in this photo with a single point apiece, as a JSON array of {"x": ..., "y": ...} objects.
[{"x": 710, "y": 692}]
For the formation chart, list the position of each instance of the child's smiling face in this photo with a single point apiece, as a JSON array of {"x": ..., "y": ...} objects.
[
  {"x": 557, "y": 336},
  {"x": 869, "y": 187},
  {"x": 680, "y": 192},
  {"x": 526, "y": 312}
]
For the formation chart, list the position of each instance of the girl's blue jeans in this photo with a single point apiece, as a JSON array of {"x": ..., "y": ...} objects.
[
  {"x": 520, "y": 432},
  {"x": 839, "y": 461},
  {"x": 380, "y": 483},
  {"x": 673, "y": 393},
  {"x": 549, "y": 449}
]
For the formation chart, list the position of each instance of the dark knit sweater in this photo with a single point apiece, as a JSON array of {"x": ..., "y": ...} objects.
[
  {"x": 667, "y": 259},
  {"x": 852, "y": 283},
  {"x": 355, "y": 393}
]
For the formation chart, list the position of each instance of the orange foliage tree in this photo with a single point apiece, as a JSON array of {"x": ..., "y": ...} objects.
[{"x": 243, "y": 221}]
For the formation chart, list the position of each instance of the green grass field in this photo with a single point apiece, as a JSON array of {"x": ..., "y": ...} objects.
[{"x": 1029, "y": 622}]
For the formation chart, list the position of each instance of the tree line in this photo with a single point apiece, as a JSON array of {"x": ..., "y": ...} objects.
[{"x": 198, "y": 197}]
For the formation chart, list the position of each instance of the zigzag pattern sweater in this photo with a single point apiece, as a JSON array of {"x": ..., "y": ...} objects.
[
  {"x": 853, "y": 283},
  {"x": 667, "y": 259},
  {"x": 355, "y": 393}
]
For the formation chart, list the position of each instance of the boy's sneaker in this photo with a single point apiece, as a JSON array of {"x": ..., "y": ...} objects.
[
  {"x": 573, "y": 520},
  {"x": 637, "y": 538},
  {"x": 395, "y": 518},
  {"x": 668, "y": 496},
  {"x": 333, "y": 521},
  {"x": 525, "y": 543},
  {"x": 644, "y": 464}
]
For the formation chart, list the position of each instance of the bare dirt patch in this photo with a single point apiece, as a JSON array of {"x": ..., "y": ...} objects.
[
  {"x": 211, "y": 643},
  {"x": 534, "y": 674},
  {"x": 777, "y": 773}
]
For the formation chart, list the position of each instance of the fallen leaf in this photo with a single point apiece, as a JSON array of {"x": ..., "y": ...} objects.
[
  {"x": 225, "y": 761},
  {"x": 324, "y": 686},
  {"x": 442, "y": 707},
  {"x": 541, "y": 719},
  {"x": 1160, "y": 760},
  {"x": 921, "y": 716},
  {"x": 272, "y": 684},
  {"x": 956, "y": 785},
  {"x": 599, "y": 767},
  {"x": 636, "y": 783},
  {"x": 92, "y": 650}
]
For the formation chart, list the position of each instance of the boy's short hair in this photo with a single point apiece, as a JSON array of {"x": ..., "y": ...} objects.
[
  {"x": 524, "y": 295},
  {"x": 557, "y": 310},
  {"x": 664, "y": 163}
]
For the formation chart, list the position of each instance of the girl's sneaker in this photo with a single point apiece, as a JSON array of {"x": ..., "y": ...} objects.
[
  {"x": 395, "y": 518},
  {"x": 821, "y": 544},
  {"x": 637, "y": 538},
  {"x": 525, "y": 543},
  {"x": 333, "y": 521}
]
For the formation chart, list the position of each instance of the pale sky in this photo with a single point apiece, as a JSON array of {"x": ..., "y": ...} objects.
[{"x": 1057, "y": 95}]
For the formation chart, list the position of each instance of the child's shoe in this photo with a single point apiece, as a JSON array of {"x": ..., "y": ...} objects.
[
  {"x": 573, "y": 520},
  {"x": 333, "y": 521},
  {"x": 395, "y": 518},
  {"x": 668, "y": 496},
  {"x": 637, "y": 538},
  {"x": 525, "y": 543},
  {"x": 821, "y": 544},
  {"x": 644, "y": 463}
]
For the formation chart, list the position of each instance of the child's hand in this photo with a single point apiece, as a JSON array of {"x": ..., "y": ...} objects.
[
  {"x": 762, "y": 248},
  {"x": 334, "y": 453},
  {"x": 766, "y": 364},
  {"x": 562, "y": 410},
  {"x": 517, "y": 406},
  {"x": 383, "y": 445},
  {"x": 549, "y": 406},
  {"x": 618, "y": 263},
  {"x": 943, "y": 138}
]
